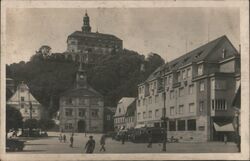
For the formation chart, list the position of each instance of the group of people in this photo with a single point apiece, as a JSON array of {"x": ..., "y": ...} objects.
[{"x": 89, "y": 146}]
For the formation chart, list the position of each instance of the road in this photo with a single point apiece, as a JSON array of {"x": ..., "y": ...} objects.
[{"x": 52, "y": 144}]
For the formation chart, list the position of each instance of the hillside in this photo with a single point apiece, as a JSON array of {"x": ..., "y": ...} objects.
[{"x": 114, "y": 75}]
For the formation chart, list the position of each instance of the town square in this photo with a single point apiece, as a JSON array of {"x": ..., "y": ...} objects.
[{"x": 123, "y": 80}]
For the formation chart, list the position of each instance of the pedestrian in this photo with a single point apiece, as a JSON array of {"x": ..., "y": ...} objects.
[
  {"x": 71, "y": 140},
  {"x": 60, "y": 137},
  {"x": 90, "y": 145},
  {"x": 102, "y": 142},
  {"x": 64, "y": 138},
  {"x": 225, "y": 138},
  {"x": 149, "y": 139},
  {"x": 123, "y": 137}
]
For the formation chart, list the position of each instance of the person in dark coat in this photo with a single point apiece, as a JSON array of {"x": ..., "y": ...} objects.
[
  {"x": 64, "y": 138},
  {"x": 71, "y": 140},
  {"x": 150, "y": 139},
  {"x": 102, "y": 142},
  {"x": 123, "y": 138},
  {"x": 90, "y": 145}
]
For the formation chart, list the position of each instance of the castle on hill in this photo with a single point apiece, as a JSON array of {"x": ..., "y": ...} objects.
[{"x": 81, "y": 43}]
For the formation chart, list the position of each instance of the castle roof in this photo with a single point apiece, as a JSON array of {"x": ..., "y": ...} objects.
[
  {"x": 79, "y": 34},
  {"x": 193, "y": 56}
]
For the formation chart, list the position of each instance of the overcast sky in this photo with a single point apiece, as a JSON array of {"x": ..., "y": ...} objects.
[{"x": 164, "y": 31}]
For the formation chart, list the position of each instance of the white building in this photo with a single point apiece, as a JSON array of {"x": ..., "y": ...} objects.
[{"x": 26, "y": 103}]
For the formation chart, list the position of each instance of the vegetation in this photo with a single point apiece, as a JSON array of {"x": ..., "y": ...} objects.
[
  {"x": 13, "y": 118},
  {"x": 114, "y": 75}
]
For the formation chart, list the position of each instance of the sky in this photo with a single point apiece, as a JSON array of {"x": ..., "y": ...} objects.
[{"x": 169, "y": 32}]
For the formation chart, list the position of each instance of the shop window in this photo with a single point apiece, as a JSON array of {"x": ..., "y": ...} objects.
[
  {"x": 191, "y": 125},
  {"x": 172, "y": 126},
  {"x": 181, "y": 125}
]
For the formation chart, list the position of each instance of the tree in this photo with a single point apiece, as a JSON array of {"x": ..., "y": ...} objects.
[
  {"x": 13, "y": 118},
  {"x": 46, "y": 124}
]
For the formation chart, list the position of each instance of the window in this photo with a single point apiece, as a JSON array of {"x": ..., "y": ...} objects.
[
  {"x": 69, "y": 101},
  {"x": 22, "y": 105},
  {"x": 170, "y": 79},
  {"x": 139, "y": 116},
  {"x": 26, "y": 110},
  {"x": 156, "y": 98},
  {"x": 220, "y": 84},
  {"x": 143, "y": 102},
  {"x": 172, "y": 111},
  {"x": 94, "y": 112},
  {"x": 191, "y": 107},
  {"x": 138, "y": 103},
  {"x": 191, "y": 125},
  {"x": 200, "y": 69},
  {"x": 171, "y": 94},
  {"x": 68, "y": 112},
  {"x": 144, "y": 115},
  {"x": 181, "y": 91},
  {"x": 119, "y": 110},
  {"x": 157, "y": 114},
  {"x": 178, "y": 76},
  {"x": 181, "y": 108},
  {"x": 212, "y": 84},
  {"x": 22, "y": 98},
  {"x": 150, "y": 100},
  {"x": 184, "y": 74},
  {"x": 82, "y": 101},
  {"x": 190, "y": 89},
  {"x": 94, "y": 101},
  {"x": 202, "y": 86},
  {"x": 150, "y": 114},
  {"x": 201, "y": 106},
  {"x": 108, "y": 117},
  {"x": 81, "y": 112},
  {"x": 219, "y": 104},
  {"x": 33, "y": 111},
  {"x": 181, "y": 125},
  {"x": 189, "y": 72},
  {"x": 172, "y": 126}
]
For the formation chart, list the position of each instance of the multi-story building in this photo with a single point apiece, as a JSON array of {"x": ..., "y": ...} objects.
[
  {"x": 81, "y": 108},
  {"x": 130, "y": 116},
  {"x": 198, "y": 89},
  {"x": 120, "y": 114},
  {"x": 26, "y": 103},
  {"x": 81, "y": 42}
]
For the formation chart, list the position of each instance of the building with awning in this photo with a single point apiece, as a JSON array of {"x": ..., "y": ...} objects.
[{"x": 224, "y": 128}]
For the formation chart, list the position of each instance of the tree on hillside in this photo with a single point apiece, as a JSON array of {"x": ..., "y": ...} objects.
[{"x": 13, "y": 118}]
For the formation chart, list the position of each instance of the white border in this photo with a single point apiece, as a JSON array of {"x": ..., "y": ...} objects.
[{"x": 244, "y": 39}]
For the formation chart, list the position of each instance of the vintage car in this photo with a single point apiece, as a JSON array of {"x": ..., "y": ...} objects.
[{"x": 14, "y": 145}]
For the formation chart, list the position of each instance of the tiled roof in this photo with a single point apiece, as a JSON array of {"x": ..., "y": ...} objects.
[
  {"x": 195, "y": 55},
  {"x": 93, "y": 35},
  {"x": 81, "y": 92}
]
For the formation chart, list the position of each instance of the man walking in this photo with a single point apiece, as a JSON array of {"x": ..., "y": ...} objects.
[
  {"x": 90, "y": 145},
  {"x": 64, "y": 138},
  {"x": 71, "y": 140},
  {"x": 102, "y": 142}
]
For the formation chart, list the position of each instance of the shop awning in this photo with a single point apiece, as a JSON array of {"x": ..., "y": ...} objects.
[
  {"x": 224, "y": 128},
  {"x": 139, "y": 126}
]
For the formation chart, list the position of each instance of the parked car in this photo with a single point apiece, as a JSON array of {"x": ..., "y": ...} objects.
[
  {"x": 14, "y": 145},
  {"x": 141, "y": 135}
]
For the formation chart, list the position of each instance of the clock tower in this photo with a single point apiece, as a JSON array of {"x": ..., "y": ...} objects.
[{"x": 81, "y": 78}]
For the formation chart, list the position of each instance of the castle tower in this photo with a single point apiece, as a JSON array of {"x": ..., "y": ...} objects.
[
  {"x": 81, "y": 77},
  {"x": 86, "y": 26}
]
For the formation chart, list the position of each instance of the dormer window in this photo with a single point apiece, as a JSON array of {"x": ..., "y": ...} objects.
[{"x": 223, "y": 53}]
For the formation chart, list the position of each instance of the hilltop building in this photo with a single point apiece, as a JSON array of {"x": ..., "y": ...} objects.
[
  {"x": 198, "y": 89},
  {"x": 81, "y": 42},
  {"x": 81, "y": 108},
  {"x": 26, "y": 103}
]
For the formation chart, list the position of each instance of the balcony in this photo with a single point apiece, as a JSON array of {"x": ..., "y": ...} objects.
[{"x": 177, "y": 84}]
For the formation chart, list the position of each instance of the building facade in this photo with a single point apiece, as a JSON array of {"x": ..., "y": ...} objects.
[
  {"x": 81, "y": 108},
  {"x": 130, "y": 116},
  {"x": 81, "y": 42},
  {"x": 120, "y": 114},
  {"x": 26, "y": 103},
  {"x": 109, "y": 113},
  {"x": 197, "y": 89}
]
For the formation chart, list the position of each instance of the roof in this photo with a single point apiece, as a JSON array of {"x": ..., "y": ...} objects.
[
  {"x": 93, "y": 35},
  {"x": 123, "y": 105},
  {"x": 131, "y": 109},
  {"x": 81, "y": 92},
  {"x": 195, "y": 55}
]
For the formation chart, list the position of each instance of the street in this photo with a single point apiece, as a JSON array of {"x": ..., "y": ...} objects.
[{"x": 52, "y": 144}]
